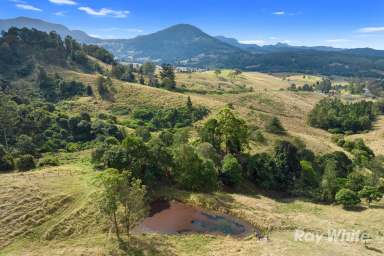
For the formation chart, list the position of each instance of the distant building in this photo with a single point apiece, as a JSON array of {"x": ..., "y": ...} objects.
[
  {"x": 189, "y": 69},
  {"x": 367, "y": 93}
]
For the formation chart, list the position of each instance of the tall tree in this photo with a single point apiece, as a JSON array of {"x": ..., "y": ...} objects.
[
  {"x": 132, "y": 196},
  {"x": 167, "y": 76},
  {"x": 288, "y": 167},
  {"x": 8, "y": 117},
  {"x": 233, "y": 131},
  {"x": 110, "y": 181}
]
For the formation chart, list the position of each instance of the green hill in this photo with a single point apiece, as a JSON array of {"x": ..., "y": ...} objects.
[{"x": 79, "y": 137}]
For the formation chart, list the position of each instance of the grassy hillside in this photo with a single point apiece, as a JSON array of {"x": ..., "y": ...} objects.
[
  {"x": 256, "y": 96},
  {"x": 50, "y": 212}
]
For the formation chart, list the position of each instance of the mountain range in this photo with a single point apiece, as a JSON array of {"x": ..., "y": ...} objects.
[{"x": 187, "y": 45}]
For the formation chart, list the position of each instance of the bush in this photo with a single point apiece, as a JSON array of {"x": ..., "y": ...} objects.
[
  {"x": 193, "y": 173},
  {"x": 371, "y": 194},
  {"x": 231, "y": 171},
  {"x": 73, "y": 147},
  {"x": 143, "y": 132},
  {"x": 208, "y": 152},
  {"x": 308, "y": 178},
  {"x": 258, "y": 136},
  {"x": 6, "y": 161},
  {"x": 25, "y": 163},
  {"x": 260, "y": 170},
  {"x": 288, "y": 167},
  {"x": 356, "y": 181},
  {"x": 48, "y": 161},
  {"x": 274, "y": 126},
  {"x": 347, "y": 198},
  {"x": 25, "y": 145}
]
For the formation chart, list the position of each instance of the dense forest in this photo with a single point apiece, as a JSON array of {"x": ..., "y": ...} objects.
[{"x": 338, "y": 117}]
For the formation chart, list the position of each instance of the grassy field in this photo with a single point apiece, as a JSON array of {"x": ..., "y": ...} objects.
[{"x": 51, "y": 211}]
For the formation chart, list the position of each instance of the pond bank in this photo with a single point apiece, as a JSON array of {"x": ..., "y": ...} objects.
[{"x": 173, "y": 217}]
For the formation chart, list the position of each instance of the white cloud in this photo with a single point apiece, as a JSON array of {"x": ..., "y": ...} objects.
[
  {"x": 17, "y": 1},
  {"x": 66, "y": 2},
  {"x": 279, "y": 13},
  {"x": 131, "y": 30},
  {"x": 94, "y": 35},
  {"x": 104, "y": 12},
  {"x": 60, "y": 13},
  {"x": 259, "y": 42},
  {"x": 371, "y": 30},
  {"x": 338, "y": 40},
  {"x": 28, "y": 7}
]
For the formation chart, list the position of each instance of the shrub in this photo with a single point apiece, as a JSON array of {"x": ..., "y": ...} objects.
[
  {"x": 48, "y": 161},
  {"x": 258, "y": 136},
  {"x": 193, "y": 173},
  {"x": 208, "y": 152},
  {"x": 143, "y": 132},
  {"x": 347, "y": 198},
  {"x": 25, "y": 163},
  {"x": 25, "y": 145},
  {"x": 356, "y": 181},
  {"x": 274, "y": 126},
  {"x": 260, "y": 170},
  {"x": 371, "y": 194},
  {"x": 73, "y": 147},
  {"x": 287, "y": 165},
  {"x": 231, "y": 171},
  {"x": 308, "y": 178},
  {"x": 6, "y": 161}
]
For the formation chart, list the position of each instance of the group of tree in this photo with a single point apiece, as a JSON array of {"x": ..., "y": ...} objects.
[
  {"x": 304, "y": 88},
  {"x": 146, "y": 74},
  {"x": 338, "y": 117},
  {"x": 54, "y": 88},
  {"x": 362, "y": 153},
  {"x": 123, "y": 72},
  {"x": 171, "y": 158},
  {"x": 99, "y": 53},
  {"x": 23, "y": 50},
  {"x": 156, "y": 119},
  {"x": 30, "y": 128}
]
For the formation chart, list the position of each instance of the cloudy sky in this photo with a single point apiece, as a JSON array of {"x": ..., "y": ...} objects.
[{"x": 339, "y": 23}]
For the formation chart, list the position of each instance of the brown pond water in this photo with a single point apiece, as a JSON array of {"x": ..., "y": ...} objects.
[{"x": 176, "y": 218}]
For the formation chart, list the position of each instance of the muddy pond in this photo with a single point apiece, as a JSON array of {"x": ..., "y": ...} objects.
[{"x": 172, "y": 217}]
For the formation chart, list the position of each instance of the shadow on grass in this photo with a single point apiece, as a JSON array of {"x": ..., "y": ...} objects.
[
  {"x": 373, "y": 249},
  {"x": 357, "y": 208},
  {"x": 376, "y": 206},
  {"x": 145, "y": 246}
]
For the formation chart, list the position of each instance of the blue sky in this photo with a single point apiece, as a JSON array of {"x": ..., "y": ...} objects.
[{"x": 339, "y": 23}]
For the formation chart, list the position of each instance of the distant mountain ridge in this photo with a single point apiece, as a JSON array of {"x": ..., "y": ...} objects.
[
  {"x": 41, "y": 25},
  {"x": 278, "y": 47},
  {"x": 182, "y": 44},
  {"x": 187, "y": 45}
]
